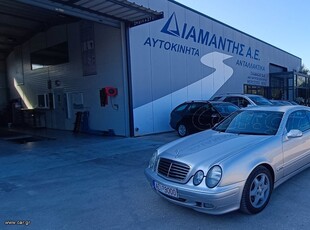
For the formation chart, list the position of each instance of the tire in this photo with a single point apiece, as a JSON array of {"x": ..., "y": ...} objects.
[
  {"x": 257, "y": 191},
  {"x": 182, "y": 130}
]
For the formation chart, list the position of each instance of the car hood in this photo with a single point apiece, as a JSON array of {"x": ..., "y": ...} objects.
[{"x": 209, "y": 147}]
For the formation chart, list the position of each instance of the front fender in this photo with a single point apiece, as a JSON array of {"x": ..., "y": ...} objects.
[{"x": 238, "y": 167}]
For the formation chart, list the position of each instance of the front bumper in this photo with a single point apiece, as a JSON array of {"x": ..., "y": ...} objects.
[{"x": 218, "y": 200}]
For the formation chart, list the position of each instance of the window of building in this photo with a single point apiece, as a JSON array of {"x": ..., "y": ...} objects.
[
  {"x": 301, "y": 81},
  {"x": 254, "y": 89},
  {"x": 50, "y": 56},
  {"x": 42, "y": 100},
  {"x": 45, "y": 101}
]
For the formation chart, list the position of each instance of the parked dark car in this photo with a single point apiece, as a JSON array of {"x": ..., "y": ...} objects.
[{"x": 195, "y": 116}]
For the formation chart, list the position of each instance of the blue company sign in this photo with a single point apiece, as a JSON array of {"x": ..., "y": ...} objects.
[
  {"x": 207, "y": 38},
  {"x": 199, "y": 36}
]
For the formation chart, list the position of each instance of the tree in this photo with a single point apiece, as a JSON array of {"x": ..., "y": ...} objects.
[{"x": 303, "y": 69}]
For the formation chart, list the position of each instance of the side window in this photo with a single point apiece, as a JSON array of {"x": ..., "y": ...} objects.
[
  {"x": 243, "y": 102},
  {"x": 180, "y": 108},
  {"x": 308, "y": 115},
  {"x": 194, "y": 107},
  {"x": 228, "y": 99},
  {"x": 206, "y": 108},
  {"x": 233, "y": 100},
  {"x": 298, "y": 120},
  {"x": 216, "y": 98}
]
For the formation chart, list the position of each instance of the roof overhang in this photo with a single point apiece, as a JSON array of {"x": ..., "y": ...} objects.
[
  {"x": 21, "y": 19},
  {"x": 101, "y": 10}
]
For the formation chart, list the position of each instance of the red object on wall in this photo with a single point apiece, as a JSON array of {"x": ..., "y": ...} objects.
[
  {"x": 105, "y": 93},
  {"x": 111, "y": 91}
]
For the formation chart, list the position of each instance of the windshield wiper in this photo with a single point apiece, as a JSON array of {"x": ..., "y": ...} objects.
[{"x": 250, "y": 133}]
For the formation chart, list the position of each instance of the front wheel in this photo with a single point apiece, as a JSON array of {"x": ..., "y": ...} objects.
[
  {"x": 257, "y": 191},
  {"x": 182, "y": 130}
]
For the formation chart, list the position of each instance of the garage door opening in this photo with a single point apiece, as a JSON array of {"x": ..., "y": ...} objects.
[{"x": 59, "y": 55}]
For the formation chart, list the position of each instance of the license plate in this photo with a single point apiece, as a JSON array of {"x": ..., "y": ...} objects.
[{"x": 166, "y": 189}]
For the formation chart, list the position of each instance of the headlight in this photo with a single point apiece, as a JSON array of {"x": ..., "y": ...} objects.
[
  {"x": 198, "y": 177},
  {"x": 214, "y": 176},
  {"x": 153, "y": 161}
]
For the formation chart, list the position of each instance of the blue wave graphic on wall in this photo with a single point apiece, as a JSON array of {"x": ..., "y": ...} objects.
[{"x": 202, "y": 89}]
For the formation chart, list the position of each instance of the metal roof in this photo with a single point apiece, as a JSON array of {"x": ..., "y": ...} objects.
[
  {"x": 122, "y": 10},
  {"x": 21, "y": 19},
  {"x": 19, "y": 22}
]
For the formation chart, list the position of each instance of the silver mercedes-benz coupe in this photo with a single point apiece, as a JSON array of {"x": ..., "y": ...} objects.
[{"x": 235, "y": 165}]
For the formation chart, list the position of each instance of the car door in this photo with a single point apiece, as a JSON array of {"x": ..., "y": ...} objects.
[
  {"x": 177, "y": 114},
  {"x": 189, "y": 119},
  {"x": 238, "y": 101},
  {"x": 233, "y": 100},
  {"x": 204, "y": 116},
  {"x": 296, "y": 150},
  {"x": 243, "y": 102}
]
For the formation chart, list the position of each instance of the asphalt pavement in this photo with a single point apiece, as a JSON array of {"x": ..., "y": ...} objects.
[{"x": 59, "y": 180}]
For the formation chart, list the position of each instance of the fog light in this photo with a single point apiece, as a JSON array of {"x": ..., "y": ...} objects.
[{"x": 208, "y": 205}]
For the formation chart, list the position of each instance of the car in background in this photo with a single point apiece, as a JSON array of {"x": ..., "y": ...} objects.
[
  {"x": 235, "y": 165},
  {"x": 293, "y": 102},
  {"x": 195, "y": 116},
  {"x": 283, "y": 102},
  {"x": 243, "y": 100}
]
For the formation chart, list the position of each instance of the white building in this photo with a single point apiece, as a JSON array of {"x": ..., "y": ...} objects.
[{"x": 169, "y": 55}]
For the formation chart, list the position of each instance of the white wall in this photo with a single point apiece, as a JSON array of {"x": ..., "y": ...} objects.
[{"x": 217, "y": 59}]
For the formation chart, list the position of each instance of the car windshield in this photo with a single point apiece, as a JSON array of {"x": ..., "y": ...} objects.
[
  {"x": 225, "y": 108},
  {"x": 260, "y": 100},
  {"x": 216, "y": 98},
  {"x": 293, "y": 102},
  {"x": 251, "y": 122}
]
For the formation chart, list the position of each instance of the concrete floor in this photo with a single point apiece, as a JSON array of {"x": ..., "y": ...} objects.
[{"x": 76, "y": 181}]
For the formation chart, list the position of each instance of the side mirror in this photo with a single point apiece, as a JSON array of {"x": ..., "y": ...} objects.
[{"x": 294, "y": 133}]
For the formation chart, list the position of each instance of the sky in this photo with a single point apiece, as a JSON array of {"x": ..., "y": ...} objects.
[{"x": 281, "y": 23}]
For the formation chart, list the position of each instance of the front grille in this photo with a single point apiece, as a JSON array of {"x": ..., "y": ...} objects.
[{"x": 172, "y": 169}]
